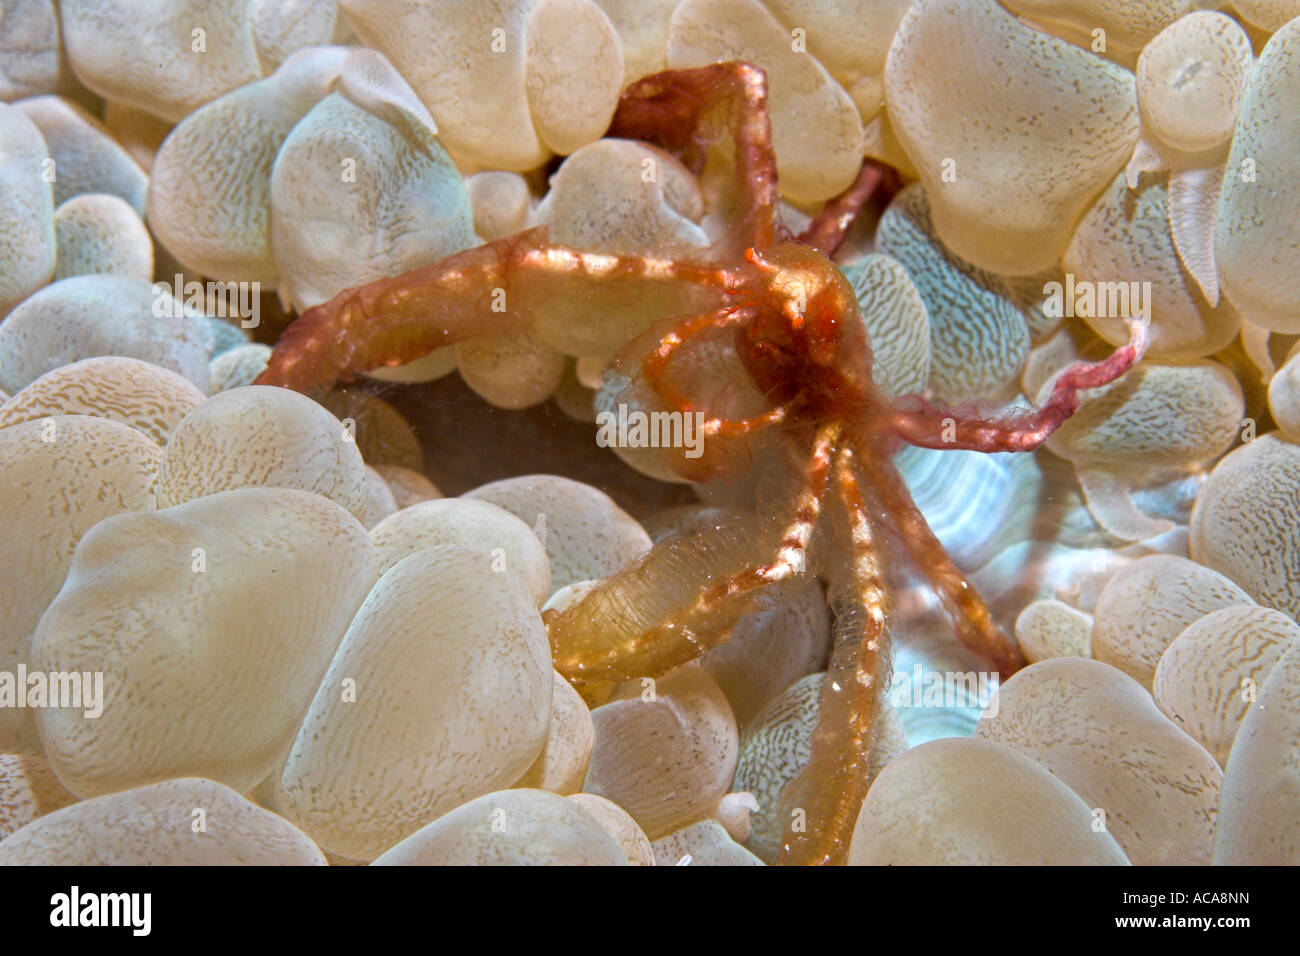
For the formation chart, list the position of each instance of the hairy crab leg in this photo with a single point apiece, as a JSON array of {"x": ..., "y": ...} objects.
[
  {"x": 654, "y": 616},
  {"x": 929, "y": 427},
  {"x": 968, "y": 614},
  {"x": 830, "y": 226},
  {"x": 681, "y": 331},
  {"x": 686, "y": 111},
  {"x": 792, "y": 554},
  {"x": 821, "y": 804},
  {"x": 732, "y": 428},
  {"x": 493, "y": 289}
]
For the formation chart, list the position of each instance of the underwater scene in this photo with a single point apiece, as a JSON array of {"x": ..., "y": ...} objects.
[{"x": 649, "y": 432}]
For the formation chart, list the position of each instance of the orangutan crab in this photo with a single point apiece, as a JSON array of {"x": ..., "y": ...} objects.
[{"x": 781, "y": 309}]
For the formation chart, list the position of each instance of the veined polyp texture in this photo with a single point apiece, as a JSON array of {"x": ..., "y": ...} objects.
[{"x": 1013, "y": 136}]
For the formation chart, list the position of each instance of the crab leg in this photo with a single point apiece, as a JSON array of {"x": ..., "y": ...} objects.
[
  {"x": 654, "y": 616},
  {"x": 493, "y": 289},
  {"x": 969, "y": 616},
  {"x": 821, "y": 805},
  {"x": 680, "y": 331},
  {"x": 920, "y": 423},
  {"x": 687, "y": 111},
  {"x": 830, "y": 226}
]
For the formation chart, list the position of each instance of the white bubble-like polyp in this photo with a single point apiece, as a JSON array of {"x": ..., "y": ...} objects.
[
  {"x": 511, "y": 828},
  {"x": 1210, "y": 674},
  {"x": 85, "y": 316},
  {"x": 1190, "y": 79},
  {"x": 144, "y": 396},
  {"x": 59, "y": 476},
  {"x": 973, "y": 802},
  {"x": 212, "y": 624},
  {"x": 1014, "y": 113},
  {"x": 168, "y": 57},
  {"x": 101, "y": 234},
  {"x": 27, "y": 245},
  {"x": 1256, "y": 242},
  {"x": 156, "y": 826},
  {"x": 509, "y": 546},
  {"x": 440, "y": 692},
  {"x": 259, "y": 436}
]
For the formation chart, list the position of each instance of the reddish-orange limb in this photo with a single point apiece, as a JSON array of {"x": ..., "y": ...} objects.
[
  {"x": 820, "y": 806},
  {"x": 681, "y": 331},
  {"x": 688, "y": 111},
  {"x": 493, "y": 289},
  {"x": 968, "y": 614},
  {"x": 685, "y": 595},
  {"x": 918, "y": 422},
  {"x": 792, "y": 551},
  {"x": 829, "y": 227},
  {"x": 734, "y": 428}
]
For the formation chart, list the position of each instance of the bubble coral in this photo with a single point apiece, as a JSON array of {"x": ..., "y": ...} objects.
[
  {"x": 1015, "y": 112},
  {"x": 1124, "y": 240},
  {"x": 785, "y": 318},
  {"x": 210, "y": 185},
  {"x": 816, "y": 128},
  {"x": 1284, "y": 398},
  {"x": 1142, "y": 611},
  {"x": 464, "y": 706},
  {"x": 212, "y": 624},
  {"x": 990, "y": 805},
  {"x": 1190, "y": 81},
  {"x": 1129, "y": 24},
  {"x": 449, "y": 52},
  {"x": 1171, "y": 416},
  {"x": 1268, "y": 14},
  {"x": 98, "y": 234},
  {"x": 29, "y": 48},
  {"x": 144, "y": 396},
  {"x": 59, "y": 477},
  {"x": 28, "y": 789},
  {"x": 978, "y": 337},
  {"x": 1099, "y": 732},
  {"x": 511, "y": 828},
  {"x": 93, "y": 315},
  {"x": 630, "y": 837},
  {"x": 1258, "y": 819},
  {"x": 1255, "y": 240},
  {"x": 27, "y": 238},
  {"x": 121, "y": 48},
  {"x": 665, "y": 751},
  {"x": 154, "y": 826},
  {"x": 705, "y": 843},
  {"x": 83, "y": 157},
  {"x": 259, "y": 437},
  {"x": 1245, "y": 524},
  {"x": 361, "y": 188},
  {"x": 1206, "y": 678}
]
